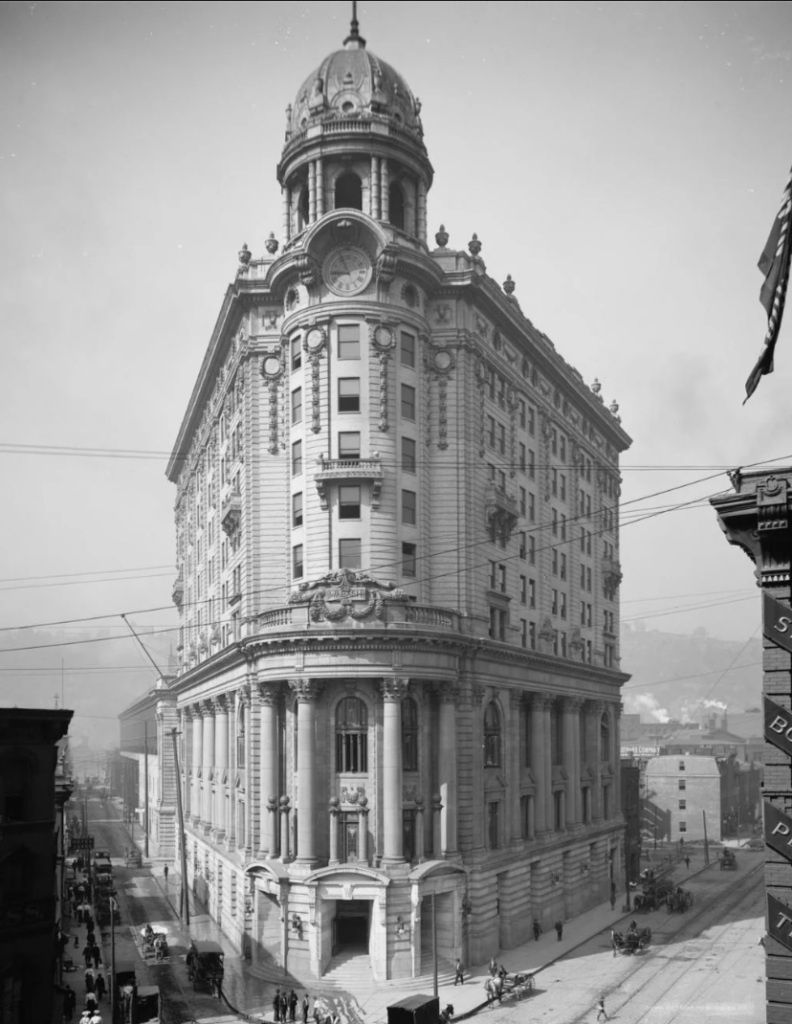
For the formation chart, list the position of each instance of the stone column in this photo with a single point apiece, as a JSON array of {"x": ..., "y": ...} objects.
[
  {"x": 312, "y": 192},
  {"x": 393, "y": 693},
  {"x": 245, "y": 842},
  {"x": 285, "y": 810},
  {"x": 197, "y": 763},
  {"x": 363, "y": 814},
  {"x": 231, "y": 829},
  {"x": 447, "y": 766},
  {"x": 376, "y": 208},
  {"x": 335, "y": 811},
  {"x": 307, "y": 693},
  {"x": 540, "y": 710},
  {"x": 423, "y": 231},
  {"x": 208, "y": 765},
  {"x": 548, "y": 768},
  {"x": 286, "y": 193},
  {"x": 222, "y": 769},
  {"x": 437, "y": 821},
  {"x": 420, "y": 839},
  {"x": 268, "y": 696},
  {"x": 593, "y": 718},
  {"x": 616, "y": 809},
  {"x": 572, "y": 759},
  {"x": 512, "y": 764},
  {"x": 320, "y": 194},
  {"x": 384, "y": 190}
]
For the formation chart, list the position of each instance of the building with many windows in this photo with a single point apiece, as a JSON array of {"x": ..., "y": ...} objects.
[{"x": 398, "y": 573}]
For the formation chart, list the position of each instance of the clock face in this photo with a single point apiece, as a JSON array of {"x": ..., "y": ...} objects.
[
  {"x": 348, "y": 271},
  {"x": 272, "y": 366},
  {"x": 315, "y": 339}
]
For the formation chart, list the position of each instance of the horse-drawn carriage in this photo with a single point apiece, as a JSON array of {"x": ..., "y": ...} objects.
[
  {"x": 728, "y": 860},
  {"x": 653, "y": 896},
  {"x": 679, "y": 900},
  {"x": 133, "y": 857},
  {"x": 634, "y": 941},
  {"x": 505, "y": 986},
  {"x": 155, "y": 944},
  {"x": 205, "y": 965}
]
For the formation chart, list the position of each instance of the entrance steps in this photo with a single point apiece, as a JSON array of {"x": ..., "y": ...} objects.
[{"x": 349, "y": 972}]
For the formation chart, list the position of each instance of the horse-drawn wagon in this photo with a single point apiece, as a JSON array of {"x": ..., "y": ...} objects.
[
  {"x": 205, "y": 965},
  {"x": 634, "y": 941},
  {"x": 728, "y": 860}
]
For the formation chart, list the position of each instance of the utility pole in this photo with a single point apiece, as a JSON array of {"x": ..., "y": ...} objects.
[
  {"x": 184, "y": 899},
  {"x": 113, "y": 909},
  {"x": 146, "y": 782},
  {"x": 706, "y": 843},
  {"x": 434, "y": 941}
]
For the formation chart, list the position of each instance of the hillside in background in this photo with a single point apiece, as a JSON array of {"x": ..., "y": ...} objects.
[{"x": 688, "y": 676}]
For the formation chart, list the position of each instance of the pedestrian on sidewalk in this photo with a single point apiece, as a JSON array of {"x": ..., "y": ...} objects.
[
  {"x": 284, "y": 1006},
  {"x": 306, "y": 1004},
  {"x": 687, "y": 863},
  {"x": 91, "y": 1002},
  {"x": 69, "y": 1004},
  {"x": 559, "y": 927},
  {"x": 459, "y": 979},
  {"x": 165, "y": 873},
  {"x": 293, "y": 1003},
  {"x": 276, "y": 1006},
  {"x": 96, "y": 953},
  {"x": 87, "y": 957},
  {"x": 537, "y": 929},
  {"x": 601, "y": 1014},
  {"x": 101, "y": 988},
  {"x": 613, "y": 900}
]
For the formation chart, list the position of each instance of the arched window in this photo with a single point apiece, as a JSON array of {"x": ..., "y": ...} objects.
[
  {"x": 492, "y": 736},
  {"x": 241, "y": 737},
  {"x": 349, "y": 192},
  {"x": 352, "y": 736},
  {"x": 605, "y": 751},
  {"x": 396, "y": 206},
  {"x": 409, "y": 736}
]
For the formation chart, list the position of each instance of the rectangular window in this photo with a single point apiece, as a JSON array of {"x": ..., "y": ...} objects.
[
  {"x": 523, "y": 502},
  {"x": 532, "y": 593},
  {"x": 349, "y": 341},
  {"x": 532, "y": 635},
  {"x": 589, "y": 587},
  {"x": 349, "y": 502},
  {"x": 683, "y": 826},
  {"x": 562, "y": 486},
  {"x": 523, "y": 547},
  {"x": 583, "y": 540},
  {"x": 524, "y": 590},
  {"x": 349, "y": 394},
  {"x": 681, "y": 766},
  {"x": 532, "y": 550},
  {"x": 493, "y": 824},
  {"x": 554, "y": 608},
  {"x": 408, "y": 350},
  {"x": 582, "y": 613},
  {"x": 562, "y": 447},
  {"x": 563, "y": 527},
  {"x": 563, "y": 605},
  {"x": 497, "y": 624},
  {"x": 501, "y": 480},
  {"x": 349, "y": 446},
  {"x": 297, "y": 510},
  {"x": 524, "y": 632},
  {"x": 409, "y": 559},
  {"x": 501, "y": 439},
  {"x": 531, "y": 421},
  {"x": 502, "y": 578},
  {"x": 296, "y": 405},
  {"x": 554, "y": 441},
  {"x": 407, "y": 402},
  {"x": 563, "y": 645},
  {"x": 408, "y": 455},
  {"x": 683, "y": 805},
  {"x": 297, "y": 562},
  {"x": 523, "y": 414},
  {"x": 563, "y": 567},
  {"x": 491, "y": 421},
  {"x": 297, "y": 460},
  {"x": 296, "y": 354},
  {"x": 682, "y": 785},
  {"x": 554, "y": 524},
  {"x": 555, "y": 561},
  {"x": 531, "y": 464},
  {"x": 349, "y": 554},
  {"x": 532, "y": 508},
  {"x": 409, "y": 508},
  {"x": 554, "y": 484}
]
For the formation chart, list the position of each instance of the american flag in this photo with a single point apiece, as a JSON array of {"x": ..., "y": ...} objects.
[{"x": 774, "y": 264}]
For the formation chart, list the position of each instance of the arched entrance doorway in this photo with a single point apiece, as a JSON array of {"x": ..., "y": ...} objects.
[{"x": 266, "y": 895}]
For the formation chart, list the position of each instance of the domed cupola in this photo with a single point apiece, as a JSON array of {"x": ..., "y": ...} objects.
[{"x": 354, "y": 139}]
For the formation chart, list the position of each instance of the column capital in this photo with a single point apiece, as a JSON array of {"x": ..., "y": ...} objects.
[
  {"x": 477, "y": 694},
  {"x": 393, "y": 691},
  {"x": 220, "y": 704},
  {"x": 245, "y": 696},
  {"x": 335, "y": 806},
  {"x": 573, "y": 705},
  {"x": 539, "y": 701},
  {"x": 268, "y": 693},
  {"x": 307, "y": 691},
  {"x": 596, "y": 707},
  {"x": 189, "y": 713}
]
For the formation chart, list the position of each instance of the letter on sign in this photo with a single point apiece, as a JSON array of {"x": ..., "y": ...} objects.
[
  {"x": 778, "y": 829},
  {"x": 777, "y": 622},
  {"x": 778, "y": 726},
  {"x": 779, "y": 921}
]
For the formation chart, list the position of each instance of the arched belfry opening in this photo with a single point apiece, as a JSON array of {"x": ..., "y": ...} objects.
[
  {"x": 396, "y": 206},
  {"x": 304, "y": 208},
  {"x": 349, "y": 192}
]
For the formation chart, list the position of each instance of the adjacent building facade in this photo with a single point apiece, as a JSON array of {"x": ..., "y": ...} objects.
[
  {"x": 31, "y": 862},
  {"x": 398, "y": 552}
]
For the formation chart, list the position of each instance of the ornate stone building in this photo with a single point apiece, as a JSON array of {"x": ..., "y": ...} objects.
[{"x": 397, "y": 530}]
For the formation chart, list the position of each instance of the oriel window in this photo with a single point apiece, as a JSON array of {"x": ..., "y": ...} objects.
[{"x": 492, "y": 736}]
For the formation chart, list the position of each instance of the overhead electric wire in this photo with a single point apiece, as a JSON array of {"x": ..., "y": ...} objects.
[{"x": 700, "y": 675}]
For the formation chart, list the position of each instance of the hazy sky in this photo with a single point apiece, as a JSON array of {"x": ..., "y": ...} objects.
[{"x": 623, "y": 161}]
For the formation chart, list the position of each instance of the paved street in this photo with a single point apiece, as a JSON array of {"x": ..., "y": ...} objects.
[{"x": 701, "y": 966}]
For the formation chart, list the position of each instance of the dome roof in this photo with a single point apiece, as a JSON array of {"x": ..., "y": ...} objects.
[{"x": 354, "y": 83}]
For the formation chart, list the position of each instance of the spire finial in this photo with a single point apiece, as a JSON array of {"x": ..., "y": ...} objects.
[{"x": 354, "y": 36}]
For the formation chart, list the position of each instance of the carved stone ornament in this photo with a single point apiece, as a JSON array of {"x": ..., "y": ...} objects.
[
  {"x": 482, "y": 327},
  {"x": 268, "y": 694},
  {"x": 382, "y": 336},
  {"x": 394, "y": 690},
  {"x": 315, "y": 344},
  {"x": 307, "y": 691},
  {"x": 443, "y": 313},
  {"x": 387, "y": 264},
  {"x": 442, "y": 237},
  {"x": 346, "y": 595},
  {"x": 410, "y": 794},
  {"x": 353, "y": 797}
]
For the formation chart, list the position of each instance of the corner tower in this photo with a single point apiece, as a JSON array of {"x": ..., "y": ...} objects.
[{"x": 354, "y": 140}]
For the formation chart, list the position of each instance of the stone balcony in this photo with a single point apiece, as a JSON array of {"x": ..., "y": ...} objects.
[
  {"x": 231, "y": 513},
  {"x": 501, "y": 507},
  {"x": 389, "y": 616},
  {"x": 612, "y": 572},
  {"x": 344, "y": 471}
]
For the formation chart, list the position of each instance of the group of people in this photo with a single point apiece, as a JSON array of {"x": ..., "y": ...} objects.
[
  {"x": 285, "y": 1004},
  {"x": 95, "y": 985},
  {"x": 537, "y": 929}
]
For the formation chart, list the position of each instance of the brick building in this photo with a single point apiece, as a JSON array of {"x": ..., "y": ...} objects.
[{"x": 398, "y": 554}]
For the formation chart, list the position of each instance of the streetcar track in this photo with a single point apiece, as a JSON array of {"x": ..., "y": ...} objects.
[{"x": 745, "y": 891}]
